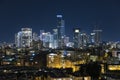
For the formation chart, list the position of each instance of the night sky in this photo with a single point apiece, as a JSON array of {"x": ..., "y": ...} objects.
[{"x": 41, "y": 14}]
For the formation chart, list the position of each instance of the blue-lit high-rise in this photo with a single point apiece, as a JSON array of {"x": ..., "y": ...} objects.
[{"x": 61, "y": 30}]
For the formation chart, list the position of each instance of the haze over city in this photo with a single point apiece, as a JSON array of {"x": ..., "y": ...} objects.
[{"x": 41, "y": 14}]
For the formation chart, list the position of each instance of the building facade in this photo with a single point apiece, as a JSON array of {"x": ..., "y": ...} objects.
[
  {"x": 76, "y": 38},
  {"x": 61, "y": 30},
  {"x": 97, "y": 36},
  {"x": 24, "y": 37},
  {"x": 84, "y": 40}
]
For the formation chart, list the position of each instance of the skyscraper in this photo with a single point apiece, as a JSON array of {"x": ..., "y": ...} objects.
[
  {"x": 35, "y": 36},
  {"x": 97, "y": 36},
  {"x": 24, "y": 37},
  {"x": 84, "y": 39},
  {"x": 92, "y": 36},
  {"x": 51, "y": 41},
  {"x": 41, "y": 34},
  {"x": 76, "y": 37},
  {"x": 45, "y": 39},
  {"x": 55, "y": 36},
  {"x": 61, "y": 30},
  {"x": 18, "y": 37},
  {"x": 66, "y": 40}
]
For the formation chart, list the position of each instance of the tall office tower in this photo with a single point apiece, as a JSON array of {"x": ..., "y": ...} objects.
[
  {"x": 92, "y": 37},
  {"x": 18, "y": 38},
  {"x": 97, "y": 36},
  {"x": 24, "y": 37},
  {"x": 76, "y": 37},
  {"x": 51, "y": 41},
  {"x": 84, "y": 40},
  {"x": 41, "y": 34},
  {"x": 61, "y": 30},
  {"x": 66, "y": 40},
  {"x": 45, "y": 39},
  {"x": 55, "y": 37},
  {"x": 35, "y": 36}
]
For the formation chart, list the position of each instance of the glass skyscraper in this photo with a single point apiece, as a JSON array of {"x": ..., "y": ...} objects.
[
  {"x": 24, "y": 37},
  {"x": 76, "y": 37},
  {"x": 61, "y": 30}
]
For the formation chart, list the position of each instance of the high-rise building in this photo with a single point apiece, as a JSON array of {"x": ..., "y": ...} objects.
[
  {"x": 46, "y": 39},
  {"x": 66, "y": 41},
  {"x": 24, "y": 37},
  {"x": 97, "y": 36},
  {"x": 18, "y": 37},
  {"x": 51, "y": 41},
  {"x": 92, "y": 36},
  {"x": 41, "y": 34},
  {"x": 35, "y": 36},
  {"x": 76, "y": 37},
  {"x": 55, "y": 37},
  {"x": 61, "y": 30},
  {"x": 84, "y": 40}
]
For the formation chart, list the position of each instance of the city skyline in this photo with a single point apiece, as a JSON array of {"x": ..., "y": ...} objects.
[{"x": 40, "y": 15}]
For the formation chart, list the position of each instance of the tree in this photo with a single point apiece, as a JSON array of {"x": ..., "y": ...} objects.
[{"x": 94, "y": 70}]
